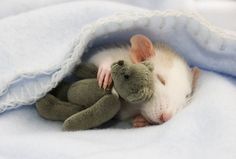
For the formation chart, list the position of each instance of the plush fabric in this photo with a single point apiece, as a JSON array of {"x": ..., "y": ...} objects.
[{"x": 40, "y": 47}]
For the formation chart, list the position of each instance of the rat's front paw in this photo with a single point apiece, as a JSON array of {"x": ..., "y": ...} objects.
[
  {"x": 104, "y": 76},
  {"x": 139, "y": 121}
]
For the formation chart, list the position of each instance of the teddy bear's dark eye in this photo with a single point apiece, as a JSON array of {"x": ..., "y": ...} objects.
[
  {"x": 121, "y": 62},
  {"x": 126, "y": 76}
]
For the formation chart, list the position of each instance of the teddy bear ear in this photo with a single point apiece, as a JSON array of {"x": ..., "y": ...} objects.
[
  {"x": 149, "y": 65},
  {"x": 141, "y": 48}
]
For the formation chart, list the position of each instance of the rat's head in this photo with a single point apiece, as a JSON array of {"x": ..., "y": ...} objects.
[
  {"x": 172, "y": 93},
  {"x": 133, "y": 82},
  {"x": 173, "y": 87}
]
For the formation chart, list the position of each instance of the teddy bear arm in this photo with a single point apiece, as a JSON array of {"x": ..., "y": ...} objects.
[
  {"x": 86, "y": 70},
  {"x": 50, "y": 107},
  {"x": 102, "y": 111}
]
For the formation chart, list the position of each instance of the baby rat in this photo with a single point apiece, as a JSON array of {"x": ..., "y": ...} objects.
[{"x": 174, "y": 80}]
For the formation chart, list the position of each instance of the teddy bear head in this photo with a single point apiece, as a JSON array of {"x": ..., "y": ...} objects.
[{"x": 133, "y": 82}]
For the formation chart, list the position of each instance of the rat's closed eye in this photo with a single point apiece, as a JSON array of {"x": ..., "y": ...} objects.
[
  {"x": 189, "y": 95},
  {"x": 161, "y": 79}
]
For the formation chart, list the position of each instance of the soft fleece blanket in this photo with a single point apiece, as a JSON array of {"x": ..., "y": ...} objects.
[{"x": 39, "y": 48}]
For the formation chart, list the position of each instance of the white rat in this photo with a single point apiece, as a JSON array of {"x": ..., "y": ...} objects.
[{"x": 174, "y": 79}]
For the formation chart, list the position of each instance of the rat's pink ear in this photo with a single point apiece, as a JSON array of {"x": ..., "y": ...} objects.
[
  {"x": 141, "y": 48},
  {"x": 196, "y": 73}
]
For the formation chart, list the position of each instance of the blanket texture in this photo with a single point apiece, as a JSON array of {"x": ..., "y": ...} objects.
[{"x": 40, "y": 47}]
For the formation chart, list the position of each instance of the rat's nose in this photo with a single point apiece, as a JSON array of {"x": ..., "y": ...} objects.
[
  {"x": 121, "y": 62},
  {"x": 165, "y": 117}
]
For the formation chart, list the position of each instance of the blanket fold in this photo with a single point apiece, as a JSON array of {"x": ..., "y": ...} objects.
[{"x": 41, "y": 47}]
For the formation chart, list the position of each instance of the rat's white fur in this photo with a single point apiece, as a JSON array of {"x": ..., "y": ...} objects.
[
  {"x": 168, "y": 98},
  {"x": 110, "y": 55}
]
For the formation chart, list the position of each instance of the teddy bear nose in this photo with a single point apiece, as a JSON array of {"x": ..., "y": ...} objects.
[{"x": 121, "y": 63}]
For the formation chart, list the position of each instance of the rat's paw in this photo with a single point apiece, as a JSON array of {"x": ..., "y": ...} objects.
[
  {"x": 139, "y": 121},
  {"x": 104, "y": 76}
]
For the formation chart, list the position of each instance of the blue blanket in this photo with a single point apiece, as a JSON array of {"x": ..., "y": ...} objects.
[{"x": 40, "y": 47}]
